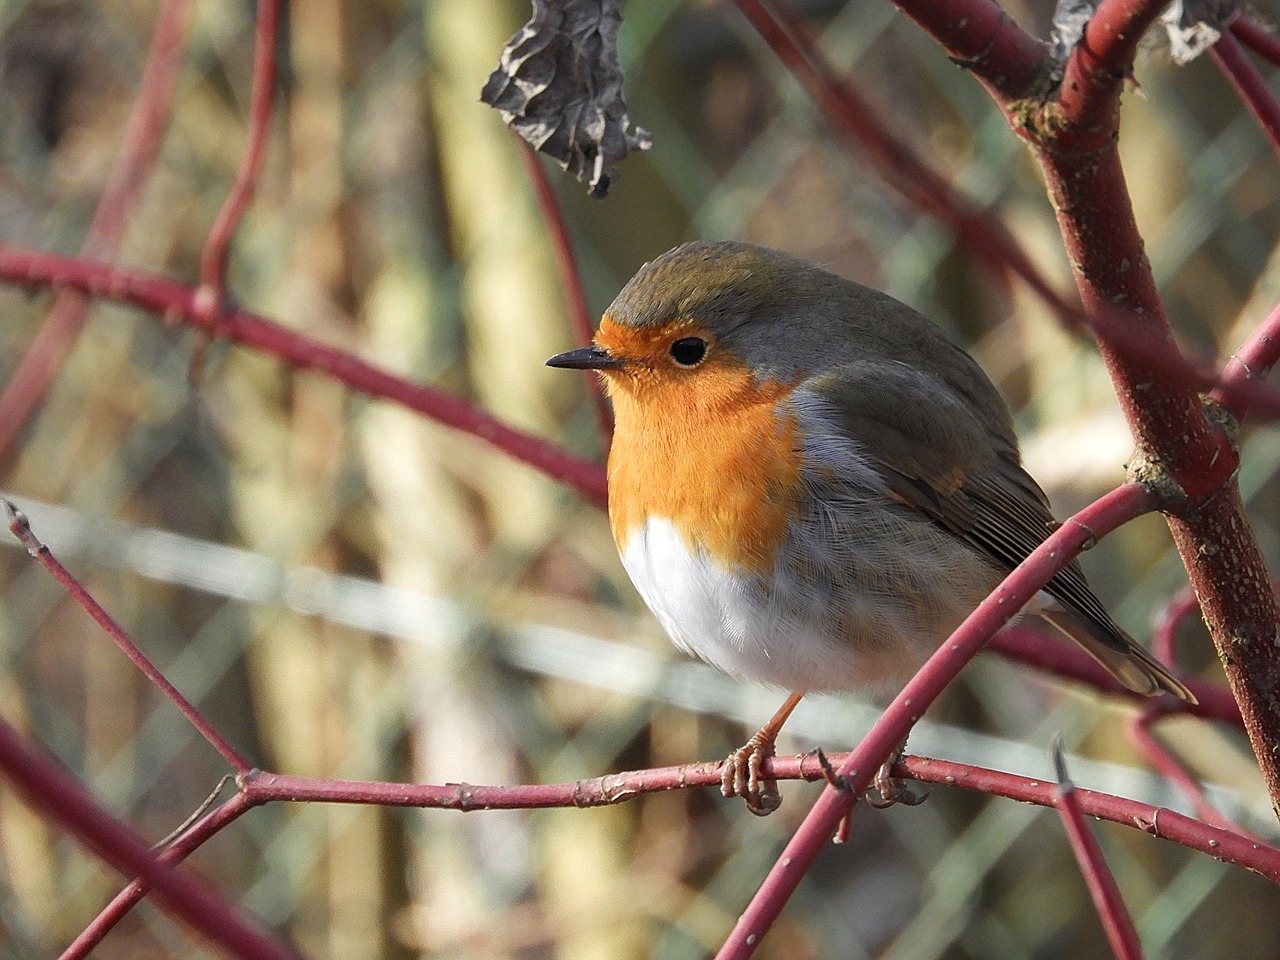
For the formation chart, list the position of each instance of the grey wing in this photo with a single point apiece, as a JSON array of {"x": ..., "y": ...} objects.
[{"x": 937, "y": 458}]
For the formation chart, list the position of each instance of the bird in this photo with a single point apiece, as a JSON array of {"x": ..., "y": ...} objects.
[{"x": 811, "y": 486}]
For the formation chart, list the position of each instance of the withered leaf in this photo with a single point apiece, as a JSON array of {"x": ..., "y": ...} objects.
[
  {"x": 1192, "y": 25},
  {"x": 559, "y": 86}
]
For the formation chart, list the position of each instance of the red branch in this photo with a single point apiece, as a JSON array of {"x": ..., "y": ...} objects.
[
  {"x": 129, "y": 897},
  {"x": 1249, "y": 84},
  {"x": 178, "y": 301},
  {"x": 1110, "y": 511},
  {"x": 62, "y": 800},
  {"x": 1168, "y": 766},
  {"x": 1177, "y": 610},
  {"x": 1221, "y": 843},
  {"x": 1224, "y": 845},
  {"x": 139, "y": 148},
  {"x": 258, "y": 787},
  {"x": 1103, "y": 889},
  {"x": 213, "y": 260},
  {"x": 570, "y": 281},
  {"x": 21, "y": 529},
  {"x": 1260, "y": 41},
  {"x": 1089, "y": 101},
  {"x": 853, "y": 116},
  {"x": 1249, "y": 366},
  {"x": 979, "y": 36}
]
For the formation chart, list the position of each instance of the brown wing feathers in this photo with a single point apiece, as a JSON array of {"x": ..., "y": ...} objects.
[{"x": 988, "y": 501}]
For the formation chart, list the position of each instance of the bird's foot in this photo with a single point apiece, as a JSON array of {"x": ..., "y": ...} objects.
[
  {"x": 741, "y": 776},
  {"x": 887, "y": 790}
]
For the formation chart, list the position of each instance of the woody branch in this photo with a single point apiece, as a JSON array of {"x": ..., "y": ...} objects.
[
  {"x": 1186, "y": 458},
  {"x": 140, "y": 146},
  {"x": 186, "y": 304}
]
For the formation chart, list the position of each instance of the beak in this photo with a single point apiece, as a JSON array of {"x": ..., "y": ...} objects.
[{"x": 586, "y": 358}]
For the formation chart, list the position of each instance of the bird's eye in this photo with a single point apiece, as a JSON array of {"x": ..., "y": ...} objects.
[{"x": 689, "y": 351}]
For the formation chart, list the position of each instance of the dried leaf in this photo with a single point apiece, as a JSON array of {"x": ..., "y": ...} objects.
[
  {"x": 1070, "y": 17},
  {"x": 1193, "y": 25},
  {"x": 559, "y": 85}
]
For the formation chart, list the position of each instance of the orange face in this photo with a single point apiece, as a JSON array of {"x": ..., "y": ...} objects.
[{"x": 701, "y": 442}]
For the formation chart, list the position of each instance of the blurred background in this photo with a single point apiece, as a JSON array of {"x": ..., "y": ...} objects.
[{"x": 348, "y": 590}]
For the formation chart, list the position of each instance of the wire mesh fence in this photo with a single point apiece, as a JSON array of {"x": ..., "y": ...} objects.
[{"x": 348, "y": 590}]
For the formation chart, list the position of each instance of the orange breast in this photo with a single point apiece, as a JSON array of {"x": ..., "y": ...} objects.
[{"x": 711, "y": 451}]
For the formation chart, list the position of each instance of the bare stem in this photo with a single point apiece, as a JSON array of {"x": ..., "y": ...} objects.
[
  {"x": 1103, "y": 889},
  {"x": 1249, "y": 366},
  {"x": 139, "y": 147},
  {"x": 204, "y": 829},
  {"x": 570, "y": 282},
  {"x": 1168, "y": 766},
  {"x": 213, "y": 260},
  {"x": 180, "y": 303},
  {"x": 21, "y": 529},
  {"x": 62, "y": 800},
  {"x": 1249, "y": 84}
]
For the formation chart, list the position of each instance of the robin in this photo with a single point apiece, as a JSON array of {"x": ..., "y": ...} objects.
[{"x": 811, "y": 486}]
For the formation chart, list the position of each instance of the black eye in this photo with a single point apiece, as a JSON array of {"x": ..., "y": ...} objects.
[{"x": 689, "y": 351}]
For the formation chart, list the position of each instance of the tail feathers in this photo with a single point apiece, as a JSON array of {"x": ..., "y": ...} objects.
[{"x": 1119, "y": 653}]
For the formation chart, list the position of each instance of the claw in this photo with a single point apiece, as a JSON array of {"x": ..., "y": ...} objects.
[
  {"x": 887, "y": 790},
  {"x": 741, "y": 775}
]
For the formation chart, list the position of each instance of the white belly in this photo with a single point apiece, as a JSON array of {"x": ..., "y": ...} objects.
[{"x": 735, "y": 622}]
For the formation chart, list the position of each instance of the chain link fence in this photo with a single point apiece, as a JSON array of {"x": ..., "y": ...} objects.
[{"x": 348, "y": 590}]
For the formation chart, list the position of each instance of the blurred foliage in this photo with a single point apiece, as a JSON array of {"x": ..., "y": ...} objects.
[{"x": 405, "y": 603}]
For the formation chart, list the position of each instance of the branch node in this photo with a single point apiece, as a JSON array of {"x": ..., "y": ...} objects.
[
  {"x": 20, "y": 527},
  {"x": 178, "y": 831},
  {"x": 979, "y": 58},
  {"x": 1090, "y": 543}
]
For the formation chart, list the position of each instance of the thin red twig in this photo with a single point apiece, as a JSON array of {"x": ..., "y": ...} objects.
[
  {"x": 213, "y": 259},
  {"x": 979, "y": 36},
  {"x": 853, "y": 116},
  {"x": 62, "y": 800},
  {"x": 207, "y": 827},
  {"x": 21, "y": 529},
  {"x": 1089, "y": 99},
  {"x": 1162, "y": 357},
  {"x": 1261, "y": 41},
  {"x": 1168, "y": 766},
  {"x": 1100, "y": 518},
  {"x": 1221, "y": 844},
  {"x": 178, "y": 302},
  {"x": 1249, "y": 84},
  {"x": 570, "y": 282},
  {"x": 1181, "y": 605},
  {"x": 139, "y": 146},
  {"x": 259, "y": 787},
  {"x": 1102, "y": 885},
  {"x": 1249, "y": 366}
]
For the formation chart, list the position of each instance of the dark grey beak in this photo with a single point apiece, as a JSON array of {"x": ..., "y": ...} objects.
[{"x": 586, "y": 358}]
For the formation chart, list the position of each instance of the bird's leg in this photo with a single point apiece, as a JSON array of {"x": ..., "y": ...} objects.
[
  {"x": 886, "y": 789},
  {"x": 741, "y": 774}
]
